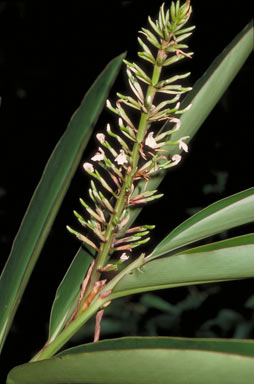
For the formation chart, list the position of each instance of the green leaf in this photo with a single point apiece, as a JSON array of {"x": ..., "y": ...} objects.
[
  {"x": 205, "y": 94},
  {"x": 225, "y": 260},
  {"x": 49, "y": 194},
  {"x": 145, "y": 361},
  {"x": 239, "y": 347},
  {"x": 227, "y": 213},
  {"x": 67, "y": 294}
]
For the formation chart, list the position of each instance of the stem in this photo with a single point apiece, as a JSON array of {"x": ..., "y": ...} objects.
[{"x": 50, "y": 349}]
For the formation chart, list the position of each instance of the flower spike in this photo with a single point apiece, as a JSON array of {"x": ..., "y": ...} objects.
[{"x": 134, "y": 149}]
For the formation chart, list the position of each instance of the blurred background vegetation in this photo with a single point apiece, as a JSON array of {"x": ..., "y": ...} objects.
[{"x": 50, "y": 53}]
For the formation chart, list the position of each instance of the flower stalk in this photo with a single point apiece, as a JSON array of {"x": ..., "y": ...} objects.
[
  {"x": 138, "y": 154},
  {"x": 168, "y": 51}
]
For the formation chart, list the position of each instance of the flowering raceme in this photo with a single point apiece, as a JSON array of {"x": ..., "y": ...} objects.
[{"x": 133, "y": 151}]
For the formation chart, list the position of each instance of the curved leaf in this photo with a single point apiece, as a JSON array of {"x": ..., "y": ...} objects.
[
  {"x": 239, "y": 347},
  {"x": 227, "y": 213},
  {"x": 49, "y": 195},
  {"x": 67, "y": 293},
  {"x": 204, "y": 96},
  {"x": 225, "y": 260},
  {"x": 145, "y": 361}
]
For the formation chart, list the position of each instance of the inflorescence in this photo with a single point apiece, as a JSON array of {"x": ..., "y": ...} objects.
[{"x": 133, "y": 152}]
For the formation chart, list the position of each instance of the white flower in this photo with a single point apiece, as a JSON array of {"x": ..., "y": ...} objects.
[
  {"x": 121, "y": 158},
  {"x": 88, "y": 167},
  {"x": 99, "y": 155},
  {"x": 150, "y": 141},
  {"x": 124, "y": 257},
  {"x": 100, "y": 137},
  {"x": 182, "y": 144},
  {"x": 177, "y": 121},
  {"x": 176, "y": 159}
]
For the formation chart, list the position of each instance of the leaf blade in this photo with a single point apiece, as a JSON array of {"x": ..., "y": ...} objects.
[
  {"x": 49, "y": 195},
  {"x": 239, "y": 347},
  {"x": 143, "y": 361},
  {"x": 237, "y": 209},
  {"x": 222, "y": 261},
  {"x": 67, "y": 293}
]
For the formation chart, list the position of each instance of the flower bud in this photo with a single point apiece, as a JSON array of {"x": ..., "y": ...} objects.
[
  {"x": 100, "y": 137},
  {"x": 88, "y": 167}
]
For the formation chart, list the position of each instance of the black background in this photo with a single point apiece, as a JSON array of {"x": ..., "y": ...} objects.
[{"x": 50, "y": 53}]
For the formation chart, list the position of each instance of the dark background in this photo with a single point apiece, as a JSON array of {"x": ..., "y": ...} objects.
[{"x": 50, "y": 53}]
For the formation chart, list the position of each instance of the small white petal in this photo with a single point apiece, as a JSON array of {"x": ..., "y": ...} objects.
[
  {"x": 176, "y": 159},
  {"x": 121, "y": 158},
  {"x": 88, "y": 167},
  {"x": 177, "y": 121},
  {"x": 108, "y": 128},
  {"x": 124, "y": 257},
  {"x": 99, "y": 156},
  {"x": 100, "y": 137},
  {"x": 182, "y": 144},
  {"x": 150, "y": 141},
  {"x": 120, "y": 121}
]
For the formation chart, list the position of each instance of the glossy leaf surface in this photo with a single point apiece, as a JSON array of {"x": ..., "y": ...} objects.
[
  {"x": 227, "y": 213},
  {"x": 225, "y": 260},
  {"x": 67, "y": 293},
  {"x": 145, "y": 361},
  {"x": 239, "y": 347}
]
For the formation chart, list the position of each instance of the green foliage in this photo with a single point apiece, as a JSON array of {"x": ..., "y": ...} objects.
[
  {"x": 67, "y": 294},
  {"x": 224, "y": 214},
  {"x": 145, "y": 361},
  {"x": 126, "y": 175},
  {"x": 205, "y": 264}
]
